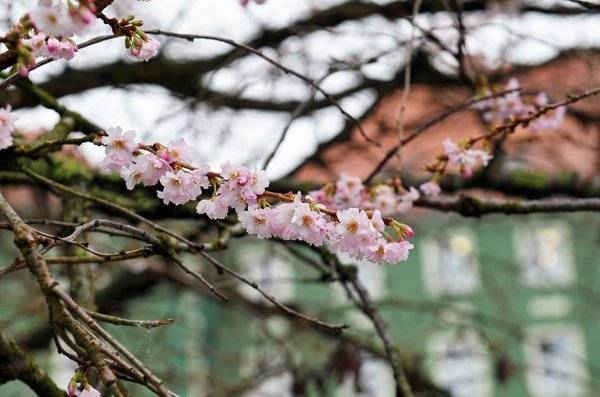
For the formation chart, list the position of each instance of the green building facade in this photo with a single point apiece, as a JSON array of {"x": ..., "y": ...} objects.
[{"x": 492, "y": 308}]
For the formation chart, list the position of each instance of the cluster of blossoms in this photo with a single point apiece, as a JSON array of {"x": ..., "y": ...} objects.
[
  {"x": 47, "y": 31},
  {"x": 512, "y": 105},
  {"x": 464, "y": 157},
  {"x": 349, "y": 225},
  {"x": 7, "y": 126},
  {"x": 356, "y": 232},
  {"x": 62, "y": 19},
  {"x": 350, "y": 192}
]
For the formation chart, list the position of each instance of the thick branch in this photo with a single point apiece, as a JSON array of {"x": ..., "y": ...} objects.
[
  {"x": 472, "y": 206},
  {"x": 16, "y": 364}
]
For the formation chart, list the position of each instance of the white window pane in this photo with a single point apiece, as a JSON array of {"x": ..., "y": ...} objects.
[
  {"x": 450, "y": 264},
  {"x": 555, "y": 357},
  {"x": 545, "y": 255},
  {"x": 459, "y": 362}
]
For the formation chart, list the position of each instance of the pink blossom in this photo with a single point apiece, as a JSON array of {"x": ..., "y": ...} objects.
[
  {"x": 119, "y": 148},
  {"x": 308, "y": 225},
  {"x": 349, "y": 192},
  {"x": 320, "y": 197},
  {"x": 466, "y": 159},
  {"x": 63, "y": 49},
  {"x": 7, "y": 127},
  {"x": 354, "y": 232},
  {"x": 50, "y": 46},
  {"x": 179, "y": 187},
  {"x": 89, "y": 391},
  {"x": 280, "y": 221},
  {"x": 547, "y": 121},
  {"x": 389, "y": 252},
  {"x": 510, "y": 106},
  {"x": 377, "y": 221},
  {"x": 405, "y": 201},
  {"x": 132, "y": 175},
  {"x": 243, "y": 186},
  {"x": 52, "y": 19},
  {"x": 430, "y": 188},
  {"x": 81, "y": 17},
  {"x": 37, "y": 43},
  {"x": 240, "y": 188},
  {"x": 144, "y": 48},
  {"x": 214, "y": 208},
  {"x": 179, "y": 151},
  {"x": 385, "y": 199},
  {"x": 257, "y": 221},
  {"x": 200, "y": 176},
  {"x": 146, "y": 168}
]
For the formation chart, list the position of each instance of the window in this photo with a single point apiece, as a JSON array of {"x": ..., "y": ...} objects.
[
  {"x": 545, "y": 256},
  {"x": 450, "y": 264},
  {"x": 458, "y": 362},
  {"x": 555, "y": 357},
  {"x": 550, "y": 306}
]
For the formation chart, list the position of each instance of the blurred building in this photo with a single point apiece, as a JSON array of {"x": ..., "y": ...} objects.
[{"x": 505, "y": 306}]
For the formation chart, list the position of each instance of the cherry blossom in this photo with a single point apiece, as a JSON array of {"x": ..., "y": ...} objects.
[
  {"x": 280, "y": 221},
  {"x": 308, "y": 225},
  {"x": 353, "y": 230},
  {"x": 52, "y": 19},
  {"x": 214, "y": 208},
  {"x": 354, "y": 233},
  {"x": 385, "y": 199},
  {"x": 146, "y": 168},
  {"x": 406, "y": 200},
  {"x": 507, "y": 107},
  {"x": 119, "y": 148},
  {"x": 466, "y": 159},
  {"x": 349, "y": 192},
  {"x": 256, "y": 221},
  {"x": 144, "y": 48},
  {"x": 389, "y": 252},
  {"x": 243, "y": 186},
  {"x": 180, "y": 187},
  {"x": 430, "y": 188},
  {"x": 7, "y": 127}
]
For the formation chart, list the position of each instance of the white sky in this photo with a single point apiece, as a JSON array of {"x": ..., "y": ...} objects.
[{"x": 243, "y": 137}]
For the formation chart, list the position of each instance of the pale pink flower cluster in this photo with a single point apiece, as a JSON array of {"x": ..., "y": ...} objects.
[
  {"x": 351, "y": 230},
  {"x": 60, "y": 18},
  {"x": 54, "y": 22},
  {"x": 549, "y": 121},
  {"x": 240, "y": 188},
  {"x": 465, "y": 159},
  {"x": 144, "y": 48},
  {"x": 362, "y": 237},
  {"x": 7, "y": 127},
  {"x": 430, "y": 188},
  {"x": 511, "y": 105},
  {"x": 350, "y": 192},
  {"x": 180, "y": 185},
  {"x": 49, "y": 46}
]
